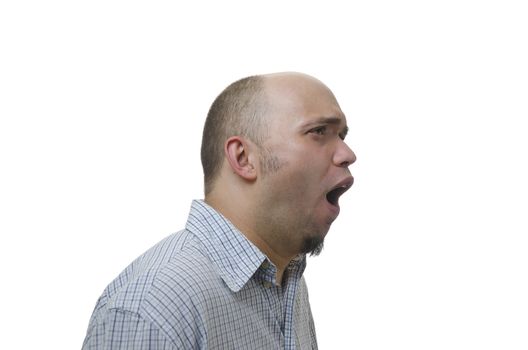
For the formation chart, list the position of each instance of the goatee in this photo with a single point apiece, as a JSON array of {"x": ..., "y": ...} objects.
[{"x": 312, "y": 245}]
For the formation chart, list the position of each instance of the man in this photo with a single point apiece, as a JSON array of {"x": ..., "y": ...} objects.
[{"x": 275, "y": 164}]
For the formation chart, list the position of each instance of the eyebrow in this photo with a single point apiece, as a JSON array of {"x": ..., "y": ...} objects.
[{"x": 329, "y": 121}]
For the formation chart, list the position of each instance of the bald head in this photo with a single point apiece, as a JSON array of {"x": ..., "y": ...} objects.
[
  {"x": 243, "y": 109},
  {"x": 291, "y": 80},
  {"x": 294, "y": 91}
]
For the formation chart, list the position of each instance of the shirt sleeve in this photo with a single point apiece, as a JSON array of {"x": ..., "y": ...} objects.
[{"x": 126, "y": 330}]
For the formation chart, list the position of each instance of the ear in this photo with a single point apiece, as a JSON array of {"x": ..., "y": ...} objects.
[{"x": 237, "y": 152}]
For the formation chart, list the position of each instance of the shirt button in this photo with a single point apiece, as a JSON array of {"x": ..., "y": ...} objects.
[
  {"x": 267, "y": 284},
  {"x": 265, "y": 264}
]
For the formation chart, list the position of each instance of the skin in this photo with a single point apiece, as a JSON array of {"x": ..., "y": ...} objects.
[{"x": 279, "y": 207}]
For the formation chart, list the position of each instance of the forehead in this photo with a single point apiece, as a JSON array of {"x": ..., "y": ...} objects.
[{"x": 297, "y": 100}]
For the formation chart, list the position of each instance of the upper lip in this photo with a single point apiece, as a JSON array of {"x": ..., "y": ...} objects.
[{"x": 346, "y": 183}]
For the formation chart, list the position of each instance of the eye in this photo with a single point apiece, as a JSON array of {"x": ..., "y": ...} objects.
[{"x": 320, "y": 130}]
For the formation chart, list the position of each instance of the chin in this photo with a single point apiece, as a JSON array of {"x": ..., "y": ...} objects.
[{"x": 313, "y": 242}]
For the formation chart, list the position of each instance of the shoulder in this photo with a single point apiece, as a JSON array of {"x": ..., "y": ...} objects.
[
  {"x": 186, "y": 279},
  {"x": 178, "y": 265},
  {"x": 167, "y": 287}
]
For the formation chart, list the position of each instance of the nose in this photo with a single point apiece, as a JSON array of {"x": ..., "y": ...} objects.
[{"x": 344, "y": 156}]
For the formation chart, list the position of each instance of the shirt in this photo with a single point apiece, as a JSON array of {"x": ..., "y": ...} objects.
[{"x": 206, "y": 287}]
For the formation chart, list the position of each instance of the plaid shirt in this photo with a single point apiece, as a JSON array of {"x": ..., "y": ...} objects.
[{"x": 206, "y": 287}]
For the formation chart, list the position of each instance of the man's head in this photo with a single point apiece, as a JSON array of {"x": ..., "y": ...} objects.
[{"x": 281, "y": 163}]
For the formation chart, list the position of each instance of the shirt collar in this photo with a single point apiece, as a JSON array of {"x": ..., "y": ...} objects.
[{"x": 236, "y": 258}]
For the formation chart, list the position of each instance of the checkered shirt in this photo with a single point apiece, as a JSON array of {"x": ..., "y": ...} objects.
[{"x": 206, "y": 287}]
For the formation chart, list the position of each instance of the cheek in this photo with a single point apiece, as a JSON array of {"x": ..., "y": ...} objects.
[
  {"x": 302, "y": 186},
  {"x": 303, "y": 170}
]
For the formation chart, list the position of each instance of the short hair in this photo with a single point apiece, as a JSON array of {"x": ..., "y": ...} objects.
[{"x": 237, "y": 111}]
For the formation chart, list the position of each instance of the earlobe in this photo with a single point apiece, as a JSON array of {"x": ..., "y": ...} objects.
[{"x": 237, "y": 153}]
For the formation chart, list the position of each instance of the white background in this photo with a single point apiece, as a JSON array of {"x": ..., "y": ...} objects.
[{"x": 102, "y": 105}]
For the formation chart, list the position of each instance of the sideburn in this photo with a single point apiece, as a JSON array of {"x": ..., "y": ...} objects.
[{"x": 269, "y": 162}]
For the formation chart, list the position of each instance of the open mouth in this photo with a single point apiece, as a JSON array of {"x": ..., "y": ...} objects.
[{"x": 333, "y": 196}]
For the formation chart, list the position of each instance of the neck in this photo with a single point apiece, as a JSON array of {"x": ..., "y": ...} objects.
[{"x": 239, "y": 213}]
